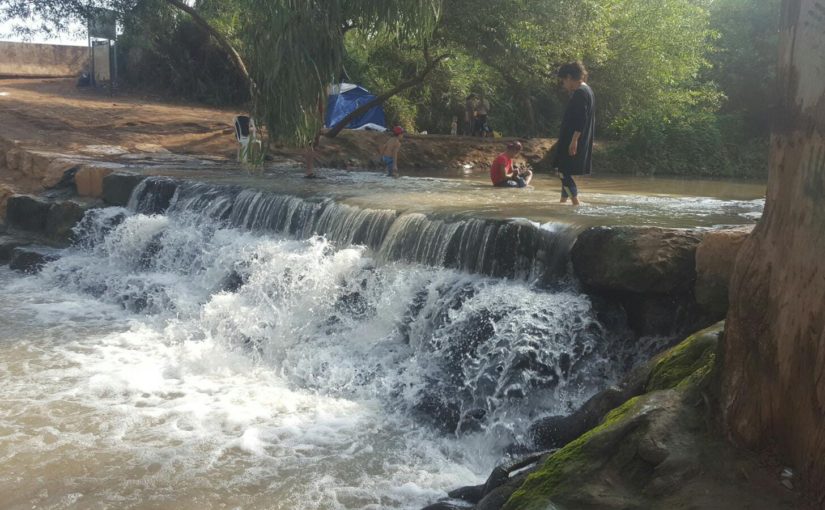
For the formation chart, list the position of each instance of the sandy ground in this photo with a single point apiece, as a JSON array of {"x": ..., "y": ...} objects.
[{"x": 55, "y": 115}]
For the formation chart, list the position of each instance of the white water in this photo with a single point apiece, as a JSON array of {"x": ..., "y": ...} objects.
[{"x": 133, "y": 375}]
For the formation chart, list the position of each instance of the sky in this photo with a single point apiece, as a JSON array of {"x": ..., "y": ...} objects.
[{"x": 70, "y": 38}]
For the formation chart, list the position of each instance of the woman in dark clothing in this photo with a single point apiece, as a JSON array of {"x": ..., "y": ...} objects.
[{"x": 575, "y": 146}]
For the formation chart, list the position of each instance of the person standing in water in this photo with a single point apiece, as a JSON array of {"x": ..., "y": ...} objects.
[
  {"x": 389, "y": 151},
  {"x": 575, "y": 146}
]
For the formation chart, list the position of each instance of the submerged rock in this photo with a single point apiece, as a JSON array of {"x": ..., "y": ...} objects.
[
  {"x": 8, "y": 243},
  {"x": 31, "y": 259},
  {"x": 645, "y": 260}
]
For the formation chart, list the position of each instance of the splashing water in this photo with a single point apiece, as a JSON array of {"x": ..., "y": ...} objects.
[{"x": 176, "y": 362}]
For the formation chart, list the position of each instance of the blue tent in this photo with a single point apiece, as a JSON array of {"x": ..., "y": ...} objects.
[{"x": 345, "y": 98}]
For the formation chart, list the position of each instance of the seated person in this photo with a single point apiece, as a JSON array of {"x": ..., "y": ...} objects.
[{"x": 502, "y": 173}]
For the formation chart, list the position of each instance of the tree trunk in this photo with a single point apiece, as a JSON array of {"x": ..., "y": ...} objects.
[
  {"x": 364, "y": 108},
  {"x": 773, "y": 379}
]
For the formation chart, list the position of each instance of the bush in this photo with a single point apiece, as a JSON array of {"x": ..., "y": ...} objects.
[{"x": 692, "y": 144}]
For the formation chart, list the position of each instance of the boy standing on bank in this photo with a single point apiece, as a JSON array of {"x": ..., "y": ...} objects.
[{"x": 575, "y": 145}]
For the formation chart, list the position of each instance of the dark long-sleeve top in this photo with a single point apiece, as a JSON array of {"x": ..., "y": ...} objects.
[{"x": 578, "y": 116}]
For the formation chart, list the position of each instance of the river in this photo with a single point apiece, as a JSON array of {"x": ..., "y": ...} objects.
[{"x": 188, "y": 361}]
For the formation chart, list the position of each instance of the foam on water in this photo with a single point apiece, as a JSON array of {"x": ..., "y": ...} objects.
[{"x": 170, "y": 361}]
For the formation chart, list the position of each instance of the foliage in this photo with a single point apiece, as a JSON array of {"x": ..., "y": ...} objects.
[
  {"x": 744, "y": 60},
  {"x": 295, "y": 48},
  {"x": 163, "y": 51},
  {"x": 683, "y": 86}
]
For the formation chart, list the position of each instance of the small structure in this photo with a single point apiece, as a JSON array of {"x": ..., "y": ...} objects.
[
  {"x": 102, "y": 27},
  {"x": 344, "y": 98}
]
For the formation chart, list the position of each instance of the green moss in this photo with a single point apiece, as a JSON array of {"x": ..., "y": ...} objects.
[
  {"x": 686, "y": 363},
  {"x": 537, "y": 490}
]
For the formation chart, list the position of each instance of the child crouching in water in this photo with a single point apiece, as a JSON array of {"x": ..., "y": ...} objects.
[
  {"x": 502, "y": 173},
  {"x": 389, "y": 151}
]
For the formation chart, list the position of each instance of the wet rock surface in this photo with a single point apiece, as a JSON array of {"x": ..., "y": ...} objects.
[
  {"x": 8, "y": 242},
  {"x": 643, "y": 260},
  {"x": 31, "y": 259},
  {"x": 61, "y": 219},
  {"x": 118, "y": 187},
  {"x": 27, "y": 212}
]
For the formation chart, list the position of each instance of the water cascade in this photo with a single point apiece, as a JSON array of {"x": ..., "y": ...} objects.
[
  {"x": 334, "y": 356},
  {"x": 511, "y": 249}
]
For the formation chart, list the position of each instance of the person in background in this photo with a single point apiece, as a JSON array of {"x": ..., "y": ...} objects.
[
  {"x": 469, "y": 114},
  {"x": 389, "y": 151},
  {"x": 502, "y": 173},
  {"x": 575, "y": 146},
  {"x": 481, "y": 112},
  {"x": 454, "y": 126}
]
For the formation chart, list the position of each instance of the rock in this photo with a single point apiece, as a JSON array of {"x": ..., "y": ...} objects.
[
  {"x": 118, "y": 187},
  {"x": 156, "y": 194},
  {"x": 440, "y": 412},
  {"x": 715, "y": 258},
  {"x": 61, "y": 219},
  {"x": 647, "y": 260},
  {"x": 556, "y": 431},
  {"x": 89, "y": 181},
  {"x": 694, "y": 355},
  {"x": 31, "y": 259},
  {"x": 27, "y": 212},
  {"x": 6, "y": 192},
  {"x": 7, "y": 245},
  {"x": 67, "y": 179},
  {"x": 444, "y": 505},
  {"x": 664, "y": 316}
]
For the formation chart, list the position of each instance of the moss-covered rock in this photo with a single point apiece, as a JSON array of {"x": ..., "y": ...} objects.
[
  {"x": 559, "y": 479},
  {"x": 684, "y": 364},
  {"x": 640, "y": 450}
]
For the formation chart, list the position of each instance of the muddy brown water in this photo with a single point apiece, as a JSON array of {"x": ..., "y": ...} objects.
[
  {"x": 606, "y": 200},
  {"x": 105, "y": 407}
]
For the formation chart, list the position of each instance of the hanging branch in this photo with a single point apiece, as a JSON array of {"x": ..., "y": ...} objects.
[{"x": 222, "y": 41}]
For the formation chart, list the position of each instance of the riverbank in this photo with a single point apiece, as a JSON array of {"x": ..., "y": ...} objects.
[{"x": 54, "y": 116}]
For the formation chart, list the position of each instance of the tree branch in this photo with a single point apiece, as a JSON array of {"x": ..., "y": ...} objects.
[
  {"x": 222, "y": 41},
  {"x": 415, "y": 80}
]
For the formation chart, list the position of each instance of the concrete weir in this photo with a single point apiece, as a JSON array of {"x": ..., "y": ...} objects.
[{"x": 629, "y": 267}]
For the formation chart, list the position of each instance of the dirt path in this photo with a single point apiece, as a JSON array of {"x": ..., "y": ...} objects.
[{"x": 55, "y": 115}]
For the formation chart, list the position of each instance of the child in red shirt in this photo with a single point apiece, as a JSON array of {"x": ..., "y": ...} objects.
[{"x": 502, "y": 173}]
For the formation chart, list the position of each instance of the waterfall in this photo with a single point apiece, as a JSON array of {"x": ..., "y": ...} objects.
[
  {"x": 518, "y": 250},
  {"x": 245, "y": 347}
]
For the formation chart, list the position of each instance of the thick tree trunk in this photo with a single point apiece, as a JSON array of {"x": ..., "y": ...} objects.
[
  {"x": 773, "y": 382},
  {"x": 364, "y": 108}
]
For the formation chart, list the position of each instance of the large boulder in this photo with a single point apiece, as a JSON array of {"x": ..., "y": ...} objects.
[
  {"x": 31, "y": 259},
  {"x": 715, "y": 258},
  {"x": 645, "y": 260},
  {"x": 27, "y": 212},
  {"x": 61, "y": 219},
  {"x": 118, "y": 187}
]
